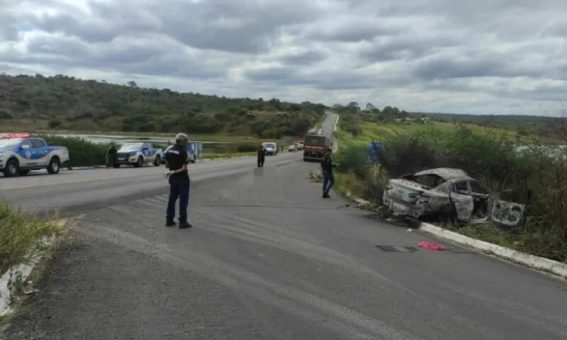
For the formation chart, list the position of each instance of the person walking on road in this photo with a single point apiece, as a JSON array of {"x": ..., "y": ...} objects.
[
  {"x": 111, "y": 156},
  {"x": 261, "y": 156},
  {"x": 327, "y": 171},
  {"x": 179, "y": 182}
]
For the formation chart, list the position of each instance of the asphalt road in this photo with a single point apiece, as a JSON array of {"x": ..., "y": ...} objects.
[{"x": 267, "y": 259}]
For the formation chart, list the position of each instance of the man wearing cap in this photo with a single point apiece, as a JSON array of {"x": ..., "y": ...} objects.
[{"x": 179, "y": 182}]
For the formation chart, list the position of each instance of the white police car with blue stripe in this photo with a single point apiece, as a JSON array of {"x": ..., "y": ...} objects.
[{"x": 19, "y": 155}]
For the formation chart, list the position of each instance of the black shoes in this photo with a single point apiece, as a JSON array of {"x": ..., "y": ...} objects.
[
  {"x": 185, "y": 225},
  {"x": 326, "y": 196},
  {"x": 182, "y": 225}
]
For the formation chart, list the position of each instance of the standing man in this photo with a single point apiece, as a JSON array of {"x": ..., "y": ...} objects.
[
  {"x": 179, "y": 181},
  {"x": 261, "y": 156},
  {"x": 328, "y": 177},
  {"x": 111, "y": 156}
]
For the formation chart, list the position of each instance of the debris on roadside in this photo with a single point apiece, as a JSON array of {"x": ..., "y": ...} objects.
[{"x": 431, "y": 246}]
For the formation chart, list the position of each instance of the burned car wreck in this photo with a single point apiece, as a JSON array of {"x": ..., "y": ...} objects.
[{"x": 446, "y": 193}]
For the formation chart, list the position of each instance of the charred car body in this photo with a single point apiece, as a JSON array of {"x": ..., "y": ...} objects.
[{"x": 447, "y": 193}]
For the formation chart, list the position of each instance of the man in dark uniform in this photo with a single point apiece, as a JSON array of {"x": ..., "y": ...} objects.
[
  {"x": 261, "y": 156},
  {"x": 111, "y": 156},
  {"x": 327, "y": 171},
  {"x": 179, "y": 181}
]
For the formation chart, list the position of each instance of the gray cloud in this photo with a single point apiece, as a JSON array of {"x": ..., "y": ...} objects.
[
  {"x": 442, "y": 68},
  {"x": 420, "y": 55}
]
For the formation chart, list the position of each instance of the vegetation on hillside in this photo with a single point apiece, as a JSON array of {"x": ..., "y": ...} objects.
[
  {"x": 62, "y": 102},
  {"x": 521, "y": 128}
]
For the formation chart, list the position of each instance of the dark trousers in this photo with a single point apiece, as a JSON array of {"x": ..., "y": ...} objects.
[
  {"x": 178, "y": 188},
  {"x": 261, "y": 162},
  {"x": 328, "y": 181}
]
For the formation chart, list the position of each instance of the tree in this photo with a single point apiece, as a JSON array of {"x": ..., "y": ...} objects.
[
  {"x": 132, "y": 84},
  {"x": 353, "y": 107}
]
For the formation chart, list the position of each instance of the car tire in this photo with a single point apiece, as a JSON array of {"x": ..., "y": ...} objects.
[
  {"x": 23, "y": 172},
  {"x": 157, "y": 162},
  {"x": 12, "y": 168},
  {"x": 384, "y": 212},
  {"x": 54, "y": 166},
  {"x": 139, "y": 163}
]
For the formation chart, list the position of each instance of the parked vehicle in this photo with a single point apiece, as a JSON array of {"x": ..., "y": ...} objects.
[
  {"x": 138, "y": 154},
  {"x": 20, "y": 153},
  {"x": 447, "y": 193},
  {"x": 292, "y": 148},
  {"x": 315, "y": 147},
  {"x": 300, "y": 146},
  {"x": 271, "y": 148},
  {"x": 194, "y": 151}
]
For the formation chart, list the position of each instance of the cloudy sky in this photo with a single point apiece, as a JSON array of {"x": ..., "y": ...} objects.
[{"x": 466, "y": 56}]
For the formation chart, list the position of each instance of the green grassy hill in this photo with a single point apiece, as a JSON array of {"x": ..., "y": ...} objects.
[{"x": 66, "y": 103}]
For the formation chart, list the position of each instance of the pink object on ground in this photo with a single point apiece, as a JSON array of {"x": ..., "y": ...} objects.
[{"x": 431, "y": 246}]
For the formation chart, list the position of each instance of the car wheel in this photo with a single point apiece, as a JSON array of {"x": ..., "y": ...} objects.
[
  {"x": 12, "y": 168},
  {"x": 54, "y": 165},
  {"x": 23, "y": 172},
  {"x": 139, "y": 163},
  {"x": 157, "y": 162},
  {"x": 384, "y": 212}
]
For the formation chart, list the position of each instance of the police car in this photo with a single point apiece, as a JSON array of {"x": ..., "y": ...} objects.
[
  {"x": 138, "y": 154},
  {"x": 20, "y": 153}
]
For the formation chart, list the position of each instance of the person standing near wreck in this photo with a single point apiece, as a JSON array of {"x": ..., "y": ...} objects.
[{"x": 327, "y": 171}]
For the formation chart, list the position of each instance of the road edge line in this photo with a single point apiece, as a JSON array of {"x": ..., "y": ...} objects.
[{"x": 534, "y": 262}]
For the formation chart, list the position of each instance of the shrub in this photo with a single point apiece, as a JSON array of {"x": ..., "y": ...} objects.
[
  {"x": 247, "y": 147},
  {"x": 54, "y": 123},
  {"x": 81, "y": 152},
  {"x": 353, "y": 157}
]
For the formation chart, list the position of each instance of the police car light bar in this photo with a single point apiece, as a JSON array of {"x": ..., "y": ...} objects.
[{"x": 14, "y": 135}]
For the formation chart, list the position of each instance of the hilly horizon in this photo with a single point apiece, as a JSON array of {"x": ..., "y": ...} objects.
[{"x": 62, "y": 102}]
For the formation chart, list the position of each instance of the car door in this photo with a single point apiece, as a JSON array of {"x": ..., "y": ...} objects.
[
  {"x": 462, "y": 200},
  {"x": 39, "y": 151},
  {"x": 146, "y": 151},
  {"x": 25, "y": 153},
  {"x": 507, "y": 213}
]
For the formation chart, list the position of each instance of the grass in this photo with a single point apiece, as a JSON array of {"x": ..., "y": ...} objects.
[
  {"x": 349, "y": 184},
  {"x": 372, "y": 130},
  {"x": 488, "y": 233},
  {"x": 21, "y": 235}
]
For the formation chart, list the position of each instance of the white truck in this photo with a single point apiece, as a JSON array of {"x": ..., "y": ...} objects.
[
  {"x": 20, "y": 153},
  {"x": 271, "y": 148}
]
